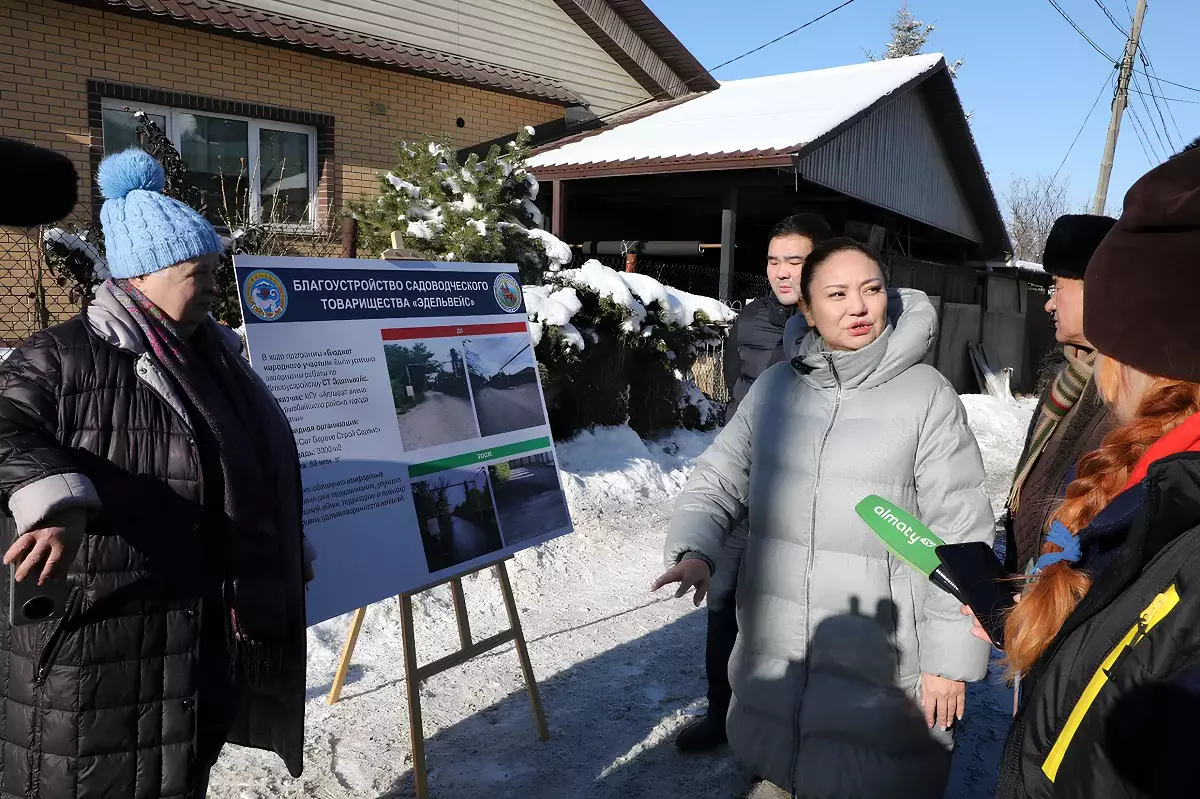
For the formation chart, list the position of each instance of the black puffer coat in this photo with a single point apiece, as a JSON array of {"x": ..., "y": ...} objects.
[
  {"x": 1112, "y": 707},
  {"x": 124, "y": 697},
  {"x": 755, "y": 344}
]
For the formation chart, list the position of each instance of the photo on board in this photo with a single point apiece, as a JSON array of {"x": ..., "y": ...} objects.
[
  {"x": 529, "y": 497},
  {"x": 429, "y": 387},
  {"x": 456, "y": 517},
  {"x": 504, "y": 379}
]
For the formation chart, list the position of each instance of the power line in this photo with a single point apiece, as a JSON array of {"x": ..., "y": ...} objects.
[
  {"x": 1080, "y": 31},
  {"x": 1166, "y": 147},
  {"x": 1161, "y": 116},
  {"x": 1147, "y": 143},
  {"x": 1110, "y": 59},
  {"x": 1149, "y": 64},
  {"x": 1168, "y": 99},
  {"x": 1107, "y": 80},
  {"x": 1112, "y": 19},
  {"x": 709, "y": 72}
]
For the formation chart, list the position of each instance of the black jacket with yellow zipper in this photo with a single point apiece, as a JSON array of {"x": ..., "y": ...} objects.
[{"x": 1112, "y": 708}]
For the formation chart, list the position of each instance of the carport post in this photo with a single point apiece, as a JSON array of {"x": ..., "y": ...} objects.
[{"x": 728, "y": 236}]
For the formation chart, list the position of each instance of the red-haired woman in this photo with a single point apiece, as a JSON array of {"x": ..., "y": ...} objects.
[{"x": 1107, "y": 635}]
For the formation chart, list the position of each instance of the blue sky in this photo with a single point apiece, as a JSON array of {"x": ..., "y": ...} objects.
[
  {"x": 492, "y": 352},
  {"x": 1029, "y": 78}
]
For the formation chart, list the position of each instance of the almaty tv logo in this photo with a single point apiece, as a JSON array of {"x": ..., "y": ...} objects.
[{"x": 905, "y": 529}]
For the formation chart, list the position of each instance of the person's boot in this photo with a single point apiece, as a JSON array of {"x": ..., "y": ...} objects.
[{"x": 707, "y": 732}]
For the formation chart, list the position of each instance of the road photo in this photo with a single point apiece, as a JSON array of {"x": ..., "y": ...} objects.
[
  {"x": 504, "y": 379},
  {"x": 456, "y": 516},
  {"x": 529, "y": 498},
  {"x": 429, "y": 386}
]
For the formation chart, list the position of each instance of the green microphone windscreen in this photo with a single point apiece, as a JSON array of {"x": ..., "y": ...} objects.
[{"x": 902, "y": 533}]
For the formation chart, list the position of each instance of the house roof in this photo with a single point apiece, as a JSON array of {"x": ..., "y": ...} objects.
[
  {"x": 231, "y": 19},
  {"x": 680, "y": 72},
  {"x": 770, "y": 121},
  {"x": 757, "y": 119}
]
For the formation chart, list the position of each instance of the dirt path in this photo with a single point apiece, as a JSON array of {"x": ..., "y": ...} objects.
[{"x": 439, "y": 419}]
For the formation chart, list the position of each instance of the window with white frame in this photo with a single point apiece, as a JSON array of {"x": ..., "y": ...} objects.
[{"x": 268, "y": 168}]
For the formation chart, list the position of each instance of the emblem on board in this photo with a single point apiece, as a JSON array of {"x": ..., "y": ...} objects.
[
  {"x": 508, "y": 293},
  {"x": 265, "y": 295}
]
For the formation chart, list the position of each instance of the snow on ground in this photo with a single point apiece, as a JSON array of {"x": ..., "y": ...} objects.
[{"x": 620, "y": 669}]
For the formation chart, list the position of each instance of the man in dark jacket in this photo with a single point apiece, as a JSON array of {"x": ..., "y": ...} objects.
[
  {"x": 755, "y": 343},
  {"x": 1071, "y": 419}
]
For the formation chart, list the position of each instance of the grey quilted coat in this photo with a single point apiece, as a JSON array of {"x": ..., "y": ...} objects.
[{"x": 835, "y": 631}]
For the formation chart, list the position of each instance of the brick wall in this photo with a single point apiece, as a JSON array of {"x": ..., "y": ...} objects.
[{"x": 49, "y": 51}]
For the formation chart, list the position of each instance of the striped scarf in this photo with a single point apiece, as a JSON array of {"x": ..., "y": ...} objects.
[{"x": 1066, "y": 390}]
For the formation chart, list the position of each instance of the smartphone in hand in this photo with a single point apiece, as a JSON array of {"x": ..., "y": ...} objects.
[{"x": 985, "y": 585}]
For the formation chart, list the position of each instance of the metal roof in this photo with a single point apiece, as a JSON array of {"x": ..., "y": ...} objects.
[
  {"x": 286, "y": 31},
  {"x": 853, "y": 128},
  {"x": 745, "y": 119}
]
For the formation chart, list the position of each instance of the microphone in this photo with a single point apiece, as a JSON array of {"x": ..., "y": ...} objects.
[
  {"x": 909, "y": 539},
  {"x": 37, "y": 186}
]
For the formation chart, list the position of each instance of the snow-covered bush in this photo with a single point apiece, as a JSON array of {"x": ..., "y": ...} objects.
[
  {"x": 481, "y": 211},
  {"x": 614, "y": 347},
  {"x": 75, "y": 257}
]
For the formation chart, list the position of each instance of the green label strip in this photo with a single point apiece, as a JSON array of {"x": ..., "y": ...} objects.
[{"x": 478, "y": 457}]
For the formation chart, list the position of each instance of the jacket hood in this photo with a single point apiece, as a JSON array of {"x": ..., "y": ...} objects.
[{"x": 911, "y": 330}]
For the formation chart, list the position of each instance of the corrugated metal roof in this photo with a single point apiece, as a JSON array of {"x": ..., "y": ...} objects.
[
  {"x": 292, "y": 32},
  {"x": 745, "y": 119}
]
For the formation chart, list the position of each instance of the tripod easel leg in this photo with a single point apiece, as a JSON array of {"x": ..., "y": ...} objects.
[
  {"x": 514, "y": 620},
  {"x": 412, "y": 683},
  {"x": 335, "y": 692}
]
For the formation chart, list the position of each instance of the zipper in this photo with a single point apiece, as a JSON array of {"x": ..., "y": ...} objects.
[
  {"x": 54, "y": 644},
  {"x": 812, "y": 549},
  {"x": 49, "y": 652}
]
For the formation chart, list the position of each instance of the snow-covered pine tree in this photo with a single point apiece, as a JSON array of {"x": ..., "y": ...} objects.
[
  {"x": 480, "y": 211},
  {"x": 909, "y": 37}
]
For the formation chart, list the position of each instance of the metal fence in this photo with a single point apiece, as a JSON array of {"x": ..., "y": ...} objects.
[
  {"x": 45, "y": 272},
  {"x": 31, "y": 295}
]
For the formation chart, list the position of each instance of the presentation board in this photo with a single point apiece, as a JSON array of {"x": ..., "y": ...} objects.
[{"x": 413, "y": 393}]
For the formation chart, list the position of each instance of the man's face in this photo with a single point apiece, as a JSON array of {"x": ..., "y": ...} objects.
[
  {"x": 1066, "y": 307},
  {"x": 785, "y": 260}
]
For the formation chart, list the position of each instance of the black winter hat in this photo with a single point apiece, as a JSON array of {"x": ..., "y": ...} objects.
[
  {"x": 1071, "y": 243},
  {"x": 1139, "y": 303}
]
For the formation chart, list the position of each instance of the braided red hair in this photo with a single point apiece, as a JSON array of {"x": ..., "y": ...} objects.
[{"x": 1163, "y": 405}]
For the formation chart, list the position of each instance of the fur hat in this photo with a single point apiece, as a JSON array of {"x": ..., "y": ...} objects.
[
  {"x": 144, "y": 229},
  {"x": 1139, "y": 302},
  {"x": 1071, "y": 242}
]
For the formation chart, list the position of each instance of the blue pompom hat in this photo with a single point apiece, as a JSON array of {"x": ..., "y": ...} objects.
[{"x": 145, "y": 230}]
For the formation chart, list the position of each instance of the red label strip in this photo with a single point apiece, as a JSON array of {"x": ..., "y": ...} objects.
[{"x": 408, "y": 333}]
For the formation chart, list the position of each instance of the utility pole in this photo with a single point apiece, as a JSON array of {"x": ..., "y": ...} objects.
[{"x": 1118, "y": 108}]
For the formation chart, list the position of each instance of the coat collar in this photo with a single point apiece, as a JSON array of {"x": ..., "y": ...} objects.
[{"x": 109, "y": 320}]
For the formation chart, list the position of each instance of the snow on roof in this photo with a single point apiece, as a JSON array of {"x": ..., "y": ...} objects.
[
  {"x": 773, "y": 114},
  {"x": 1029, "y": 266}
]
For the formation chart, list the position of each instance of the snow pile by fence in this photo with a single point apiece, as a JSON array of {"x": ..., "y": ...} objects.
[{"x": 616, "y": 348}]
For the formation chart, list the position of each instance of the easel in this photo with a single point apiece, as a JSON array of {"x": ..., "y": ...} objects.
[{"x": 415, "y": 674}]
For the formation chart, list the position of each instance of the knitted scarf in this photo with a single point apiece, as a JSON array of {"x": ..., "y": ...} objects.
[
  {"x": 237, "y": 427},
  {"x": 1066, "y": 390}
]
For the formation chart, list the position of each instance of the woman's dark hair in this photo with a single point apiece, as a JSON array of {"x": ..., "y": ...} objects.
[
  {"x": 822, "y": 253},
  {"x": 810, "y": 226}
]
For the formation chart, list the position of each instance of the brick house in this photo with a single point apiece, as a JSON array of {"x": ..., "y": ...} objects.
[{"x": 311, "y": 95}]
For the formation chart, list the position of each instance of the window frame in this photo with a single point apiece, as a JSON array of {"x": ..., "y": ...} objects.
[{"x": 253, "y": 149}]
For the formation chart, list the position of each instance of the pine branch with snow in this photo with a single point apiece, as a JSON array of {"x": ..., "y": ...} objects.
[{"x": 481, "y": 210}]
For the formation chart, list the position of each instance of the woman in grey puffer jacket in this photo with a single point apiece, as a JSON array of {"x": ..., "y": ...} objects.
[{"x": 842, "y": 645}]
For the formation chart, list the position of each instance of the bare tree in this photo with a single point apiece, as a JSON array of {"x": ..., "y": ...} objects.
[{"x": 1032, "y": 209}]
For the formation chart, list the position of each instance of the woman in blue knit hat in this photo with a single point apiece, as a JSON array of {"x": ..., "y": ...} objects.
[{"x": 142, "y": 457}]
